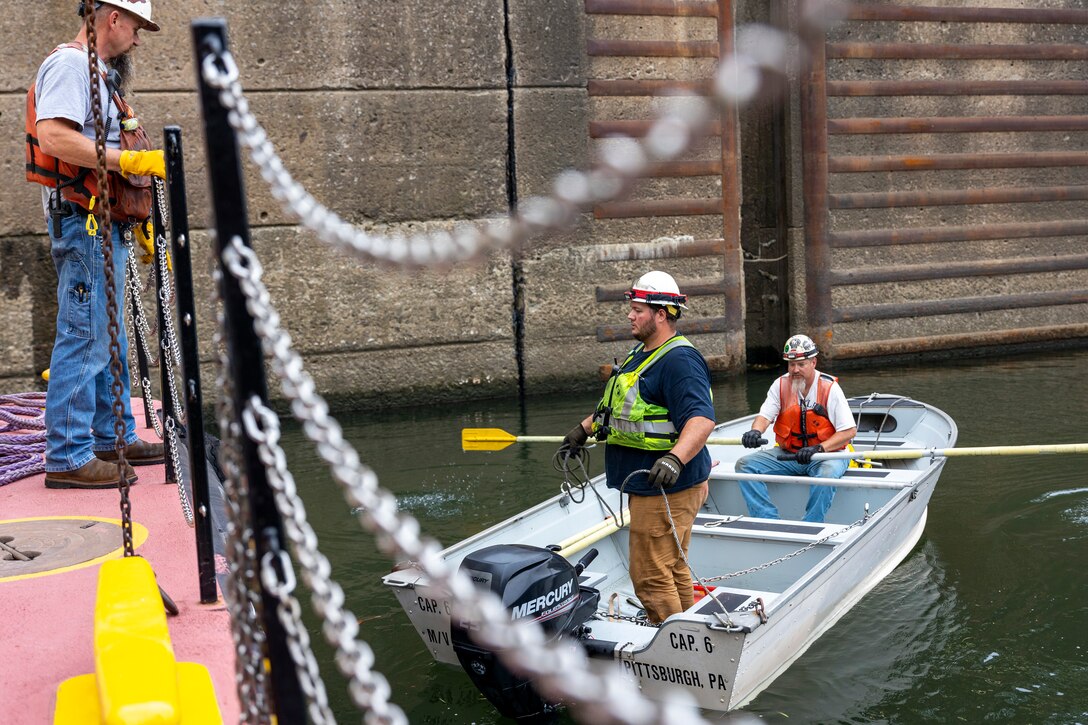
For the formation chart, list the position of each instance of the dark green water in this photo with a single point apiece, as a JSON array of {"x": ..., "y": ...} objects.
[{"x": 985, "y": 622}]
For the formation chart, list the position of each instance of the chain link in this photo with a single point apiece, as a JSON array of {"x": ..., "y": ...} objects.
[
  {"x": 623, "y": 161},
  {"x": 787, "y": 557},
  {"x": 341, "y": 625},
  {"x": 143, "y": 333},
  {"x": 169, "y": 354},
  {"x": 175, "y": 459},
  {"x": 298, "y": 639},
  {"x": 104, "y": 218},
  {"x": 558, "y": 669},
  {"x": 239, "y": 589}
]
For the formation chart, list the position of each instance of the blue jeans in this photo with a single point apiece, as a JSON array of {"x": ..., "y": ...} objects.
[
  {"x": 79, "y": 405},
  {"x": 766, "y": 461}
]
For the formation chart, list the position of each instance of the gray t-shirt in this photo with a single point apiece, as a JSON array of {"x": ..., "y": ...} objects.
[{"x": 62, "y": 90}]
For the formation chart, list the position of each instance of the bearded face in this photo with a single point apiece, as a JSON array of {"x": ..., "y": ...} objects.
[
  {"x": 124, "y": 66},
  {"x": 802, "y": 373},
  {"x": 798, "y": 386},
  {"x": 643, "y": 319}
]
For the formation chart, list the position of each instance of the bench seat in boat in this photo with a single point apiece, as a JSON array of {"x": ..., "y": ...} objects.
[{"x": 746, "y": 527}]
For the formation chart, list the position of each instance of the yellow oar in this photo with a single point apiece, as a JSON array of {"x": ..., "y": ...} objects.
[
  {"x": 586, "y": 541},
  {"x": 608, "y": 521},
  {"x": 495, "y": 439},
  {"x": 951, "y": 452}
]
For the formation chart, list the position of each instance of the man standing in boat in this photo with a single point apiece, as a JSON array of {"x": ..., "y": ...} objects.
[
  {"x": 61, "y": 156},
  {"x": 656, "y": 414},
  {"x": 810, "y": 416}
]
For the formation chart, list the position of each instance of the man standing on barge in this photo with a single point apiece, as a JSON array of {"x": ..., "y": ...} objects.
[{"x": 61, "y": 156}]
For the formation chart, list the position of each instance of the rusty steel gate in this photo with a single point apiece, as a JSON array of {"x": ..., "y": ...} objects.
[
  {"x": 944, "y": 178},
  {"x": 678, "y": 193}
]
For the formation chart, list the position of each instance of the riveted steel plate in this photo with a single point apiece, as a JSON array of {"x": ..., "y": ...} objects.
[{"x": 42, "y": 545}]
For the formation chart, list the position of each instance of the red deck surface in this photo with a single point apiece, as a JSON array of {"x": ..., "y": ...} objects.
[{"x": 46, "y": 622}]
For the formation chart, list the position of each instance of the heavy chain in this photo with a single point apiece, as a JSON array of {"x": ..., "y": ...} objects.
[
  {"x": 281, "y": 585},
  {"x": 623, "y": 161},
  {"x": 175, "y": 459},
  {"x": 143, "y": 333},
  {"x": 787, "y": 557},
  {"x": 341, "y": 628},
  {"x": 164, "y": 207},
  {"x": 102, "y": 212},
  {"x": 558, "y": 668},
  {"x": 169, "y": 356},
  {"x": 240, "y": 587}
]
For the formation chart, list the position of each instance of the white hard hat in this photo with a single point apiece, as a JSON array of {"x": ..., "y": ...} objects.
[
  {"x": 657, "y": 288},
  {"x": 139, "y": 8},
  {"x": 799, "y": 347}
]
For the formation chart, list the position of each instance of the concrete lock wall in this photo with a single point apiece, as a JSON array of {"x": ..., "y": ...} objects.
[{"x": 400, "y": 118}]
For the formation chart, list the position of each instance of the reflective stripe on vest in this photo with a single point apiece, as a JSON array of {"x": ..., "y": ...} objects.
[{"x": 631, "y": 420}]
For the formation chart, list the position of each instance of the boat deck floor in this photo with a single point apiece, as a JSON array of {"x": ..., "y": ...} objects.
[{"x": 49, "y": 617}]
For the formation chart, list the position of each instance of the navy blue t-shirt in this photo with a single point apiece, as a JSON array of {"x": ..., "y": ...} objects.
[{"x": 679, "y": 382}]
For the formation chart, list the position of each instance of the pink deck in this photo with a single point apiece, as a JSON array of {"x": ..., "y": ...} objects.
[{"x": 46, "y": 622}]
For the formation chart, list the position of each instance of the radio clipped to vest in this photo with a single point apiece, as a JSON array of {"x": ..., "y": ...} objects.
[
  {"x": 624, "y": 417},
  {"x": 603, "y": 414}
]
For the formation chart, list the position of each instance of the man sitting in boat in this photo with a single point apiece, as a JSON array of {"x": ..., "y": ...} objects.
[
  {"x": 656, "y": 414},
  {"x": 810, "y": 416}
]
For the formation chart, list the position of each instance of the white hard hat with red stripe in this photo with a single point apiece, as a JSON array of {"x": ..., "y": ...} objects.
[
  {"x": 799, "y": 347},
  {"x": 139, "y": 8},
  {"x": 657, "y": 288}
]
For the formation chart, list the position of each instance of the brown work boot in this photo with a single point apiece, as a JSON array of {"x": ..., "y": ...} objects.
[
  {"x": 140, "y": 453},
  {"x": 93, "y": 474}
]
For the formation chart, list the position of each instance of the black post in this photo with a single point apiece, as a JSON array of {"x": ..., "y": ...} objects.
[
  {"x": 163, "y": 309},
  {"x": 141, "y": 361},
  {"x": 190, "y": 363},
  {"x": 246, "y": 358}
]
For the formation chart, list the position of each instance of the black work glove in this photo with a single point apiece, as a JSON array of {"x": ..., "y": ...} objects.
[
  {"x": 666, "y": 471},
  {"x": 752, "y": 439},
  {"x": 819, "y": 410},
  {"x": 574, "y": 440},
  {"x": 804, "y": 456}
]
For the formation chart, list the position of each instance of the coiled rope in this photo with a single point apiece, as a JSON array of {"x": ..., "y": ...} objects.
[{"x": 22, "y": 438}]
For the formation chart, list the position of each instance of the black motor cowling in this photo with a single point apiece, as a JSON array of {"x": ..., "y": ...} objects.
[{"x": 533, "y": 583}]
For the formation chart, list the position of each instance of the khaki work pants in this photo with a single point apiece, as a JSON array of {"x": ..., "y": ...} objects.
[{"x": 661, "y": 579}]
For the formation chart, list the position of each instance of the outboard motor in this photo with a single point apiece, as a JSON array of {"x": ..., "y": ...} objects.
[{"x": 533, "y": 583}]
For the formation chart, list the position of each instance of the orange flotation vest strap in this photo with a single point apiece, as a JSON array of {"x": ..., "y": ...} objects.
[
  {"x": 130, "y": 198},
  {"x": 793, "y": 431}
]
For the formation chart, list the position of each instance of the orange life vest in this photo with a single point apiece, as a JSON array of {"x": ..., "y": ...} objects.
[
  {"x": 793, "y": 434},
  {"x": 130, "y": 198}
]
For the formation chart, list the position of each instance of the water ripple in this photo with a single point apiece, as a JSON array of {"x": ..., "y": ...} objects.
[{"x": 1063, "y": 492}]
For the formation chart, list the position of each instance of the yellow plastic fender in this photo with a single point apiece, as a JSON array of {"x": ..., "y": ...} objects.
[{"x": 136, "y": 680}]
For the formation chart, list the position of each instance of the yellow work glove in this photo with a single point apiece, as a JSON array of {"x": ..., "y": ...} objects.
[
  {"x": 143, "y": 163},
  {"x": 145, "y": 236}
]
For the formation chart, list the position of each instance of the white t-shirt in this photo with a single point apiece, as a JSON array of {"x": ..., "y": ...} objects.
[
  {"x": 838, "y": 410},
  {"x": 63, "y": 90}
]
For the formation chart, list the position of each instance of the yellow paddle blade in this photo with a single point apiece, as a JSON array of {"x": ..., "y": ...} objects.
[
  {"x": 495, "y": 439},
  {"x": 486, "y": 439}
]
